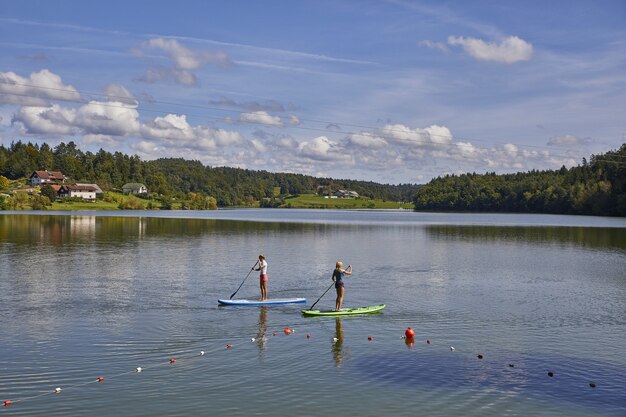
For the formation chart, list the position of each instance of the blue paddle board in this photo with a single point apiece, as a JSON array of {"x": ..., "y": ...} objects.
[{"x": 244, "y": 302}]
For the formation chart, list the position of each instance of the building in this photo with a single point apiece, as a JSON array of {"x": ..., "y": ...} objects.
[
  {"x": 86, "y": 192},
  {"x": 98, "y": 189},
  {"x": 134, "y": 188},
  {"x": 346, "y": 194},
  {"x": 46, "y": 177}
]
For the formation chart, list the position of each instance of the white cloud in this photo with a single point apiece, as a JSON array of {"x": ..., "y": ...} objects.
[
  {"x": 404, "y": 135},
  {"x": 53, "y": 120},
  {"x": 258, "y": 145},
  {"x": 434, "y": 45},
  {"x": 101, "y": 140},
  {"x": 110, "y": 118},
  {"x": 261, "y": 117},
  {"x": 322, "y": 149},
  {"x": 367, "y": 140},
  {"x": 35, "y": 90},
  {"x": 567, "y": 140},
  {"x": 510, "y": 50},
  {"x": 184, "y": 61},
  {"x": 185, "y": 58},
  {"x": 119, "y": 93},
  {"x": 174, "y": 131}
]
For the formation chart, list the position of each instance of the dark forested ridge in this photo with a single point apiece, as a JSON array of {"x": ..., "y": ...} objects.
[
  {"x": 177, "y": 177},
  {"x": 597, "y": 187}
]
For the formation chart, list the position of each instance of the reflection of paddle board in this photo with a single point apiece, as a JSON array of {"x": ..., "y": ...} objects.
[
  {"x": 244, "y": 302},
  {"x": 344, "y": 311}
]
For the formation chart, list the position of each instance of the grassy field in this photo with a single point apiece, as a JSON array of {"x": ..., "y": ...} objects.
[
  {"x": 75, "y": 205},
  {"x": 315, "y": 201}
]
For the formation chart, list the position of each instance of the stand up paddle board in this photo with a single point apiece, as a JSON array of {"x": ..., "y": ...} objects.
[
  {"x": 244, "y": 302},
  {"x": 344, "y": 311}
]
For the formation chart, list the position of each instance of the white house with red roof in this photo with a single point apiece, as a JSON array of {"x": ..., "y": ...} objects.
[
  {"x": 86, "y": 192},
  {"x": 46, "y": 177}
]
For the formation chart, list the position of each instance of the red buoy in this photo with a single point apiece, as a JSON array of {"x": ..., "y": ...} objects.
[
  {"x": 172, "y": 360},
  {"x": 308, "y": 336},
  {"x": 409, "y": 333},
  {"x": 428, "y": 341},
  {"x": 229, "y": 346},
  {"x": 100, "y": 379},
  {"x": 369, "y": 338},
  {"x": 287, "y": 330},
  {"x": 7, "y": 403},
  {"x": 273, "y": 334}
]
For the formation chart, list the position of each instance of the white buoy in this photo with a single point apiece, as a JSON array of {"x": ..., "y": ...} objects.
[
  {"x": 57, "y": 390},
  {"x": 138, "y": 369},
  {"x": 202, "y": 353},
  {"x": 452, "y": 348},
  {"x": 253, "y": 339},
  {"x": 335, "y": 339}
]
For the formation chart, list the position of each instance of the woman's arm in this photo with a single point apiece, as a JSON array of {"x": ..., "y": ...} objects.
[{"x": 345, "y": 271}]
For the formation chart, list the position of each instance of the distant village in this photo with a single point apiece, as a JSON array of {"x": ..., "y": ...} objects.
[{"x": 57, "y": 181}]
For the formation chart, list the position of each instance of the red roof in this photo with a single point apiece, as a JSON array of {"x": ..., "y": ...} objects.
[{"x": 49, "y": 175}]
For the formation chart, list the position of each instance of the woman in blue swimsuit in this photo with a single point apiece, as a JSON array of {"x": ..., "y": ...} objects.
[{"x": 338, "y": 274}]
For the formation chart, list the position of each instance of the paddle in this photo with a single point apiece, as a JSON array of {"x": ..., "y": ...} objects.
[
  {"x": 244, "y": 280},
  {"x": 327, "y": 289}
]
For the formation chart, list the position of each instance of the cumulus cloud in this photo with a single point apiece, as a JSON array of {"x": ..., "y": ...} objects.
[
  {"x": 323, "y": 149},
  {"x": 119, "y": 93},
  {"x": 175, "y": 131},
  {"x": 568, "y": 140},
  {"x": 184, "y": 61},
  {"x": 367, "y": 140},
  {"x": 35, "y": 90},
  {"x": 53, "y": 120},
  {"x": 262, "y": 118},
  {"x": 108, "y": 118},
  {"x": 404, "y": 135},
  {"x": 510, "y": 50}
]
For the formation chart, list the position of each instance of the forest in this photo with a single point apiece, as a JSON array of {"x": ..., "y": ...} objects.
[
  {"x": 596, "y": 187},
  {"x": 176, "y": 178}
]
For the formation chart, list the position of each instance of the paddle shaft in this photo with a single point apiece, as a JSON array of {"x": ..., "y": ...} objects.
[
  {"x": 244, "y": 280},
  {"x": 327, "y": 289}
]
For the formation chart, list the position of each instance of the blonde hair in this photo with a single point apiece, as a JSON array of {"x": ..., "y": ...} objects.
[
  {"x": 338, "y": 265},
  {"x": 261, "y": 256}
]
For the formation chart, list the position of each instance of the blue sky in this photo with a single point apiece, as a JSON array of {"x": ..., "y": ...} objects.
[{"x": 388, "y": 91}]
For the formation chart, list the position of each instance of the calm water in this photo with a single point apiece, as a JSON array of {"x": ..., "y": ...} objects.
[{"x": 96, "y": 294}]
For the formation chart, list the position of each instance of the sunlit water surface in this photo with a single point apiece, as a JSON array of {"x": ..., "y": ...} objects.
[{"x": 97, "y": 294}]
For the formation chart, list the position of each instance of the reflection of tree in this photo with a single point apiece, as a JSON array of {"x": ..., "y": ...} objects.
[
  {"x": 594, "y": 237},
  {"x": 260, "y": 337},
  {"x": 338, "y": 343}
]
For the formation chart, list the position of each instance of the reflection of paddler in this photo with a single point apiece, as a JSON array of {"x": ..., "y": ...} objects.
[
  {"x": 338, "y": 342},
  {"x": 260, "y": 337}
]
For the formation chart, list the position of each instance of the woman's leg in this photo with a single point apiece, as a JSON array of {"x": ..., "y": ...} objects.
[
  {"x": 263, "y": 290},
  {"x": 339, "y": 300}
]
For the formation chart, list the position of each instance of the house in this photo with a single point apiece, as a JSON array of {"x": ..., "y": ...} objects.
[
  {"x": 98, "y": 189},
  {"x": 46, "y": 177},
  {"x": 86, "y": 192},
  {"x": 134, "y": 188},
  {"x": 346, "y": 194}
]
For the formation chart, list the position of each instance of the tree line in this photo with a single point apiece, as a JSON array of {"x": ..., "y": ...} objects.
[
  {"x": 177, "y": 177},
  {"x": 596, "y": 187}
]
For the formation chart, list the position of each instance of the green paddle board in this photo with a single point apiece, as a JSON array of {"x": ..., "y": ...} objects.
[{"x": 344, "y": 311}]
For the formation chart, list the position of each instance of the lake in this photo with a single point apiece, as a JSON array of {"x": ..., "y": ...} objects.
[{"x": 87, "y": 295}]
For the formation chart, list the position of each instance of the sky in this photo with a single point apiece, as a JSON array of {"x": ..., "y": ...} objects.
[{"x": 387, "y": 91}]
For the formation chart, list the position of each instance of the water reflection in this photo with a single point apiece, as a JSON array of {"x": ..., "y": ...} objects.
[
  {"x": 588, "y": 237},
  {"x": 337, "y": 345},
  {"x": 261, "y": 335}
]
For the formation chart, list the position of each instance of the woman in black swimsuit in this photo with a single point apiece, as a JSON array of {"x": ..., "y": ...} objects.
[{"x": 338, "y": 274}]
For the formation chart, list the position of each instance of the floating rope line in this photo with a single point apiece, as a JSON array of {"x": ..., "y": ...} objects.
[{"x": 191, "y": 353}]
